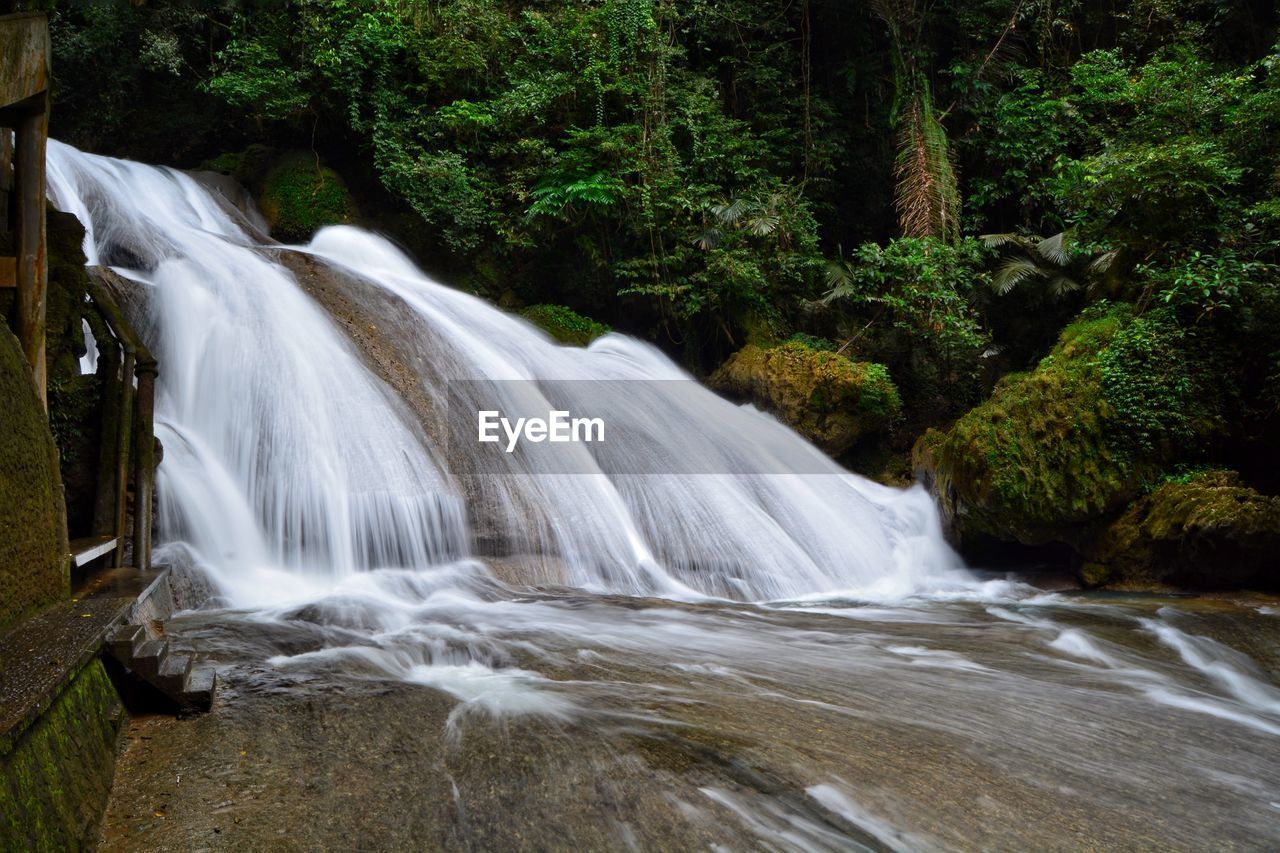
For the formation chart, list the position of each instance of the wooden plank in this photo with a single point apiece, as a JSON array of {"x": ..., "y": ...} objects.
[
  {"x": 91, "y": 548},
  {"x": 8, "y": 272},
  {"x": 24, "y": 44}
]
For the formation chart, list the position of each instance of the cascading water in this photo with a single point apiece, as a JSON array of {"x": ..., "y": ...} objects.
[
  {"x": 700, "y": 632},
  {"x": 283, "y": 449}
]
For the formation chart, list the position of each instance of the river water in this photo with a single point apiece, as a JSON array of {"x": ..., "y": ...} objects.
[{"x": 701, "y": 634}]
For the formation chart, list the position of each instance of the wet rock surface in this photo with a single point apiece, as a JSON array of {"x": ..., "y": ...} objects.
[{"x": 600, "y": 723}]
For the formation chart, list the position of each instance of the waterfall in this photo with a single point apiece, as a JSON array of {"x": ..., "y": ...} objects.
[{"x": 287, "y": 455}]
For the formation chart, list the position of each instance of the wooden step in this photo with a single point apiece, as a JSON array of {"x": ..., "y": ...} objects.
[{"x": 91, "y": 548}]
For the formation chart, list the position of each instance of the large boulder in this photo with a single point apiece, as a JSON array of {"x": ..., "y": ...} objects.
[
  {"x": 1054, "y": 455},
  {"x": 296, "y": 193},
  {"x": 827, "y": 398},
  {"x": 1037, "y": 463},
  {"x": 1209, "y": 532}
]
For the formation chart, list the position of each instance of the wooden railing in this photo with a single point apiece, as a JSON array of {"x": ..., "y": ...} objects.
[{"x": 128, "y": 432}]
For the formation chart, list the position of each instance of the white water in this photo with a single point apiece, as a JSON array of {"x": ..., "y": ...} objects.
[{"x": 283, "y": 451}]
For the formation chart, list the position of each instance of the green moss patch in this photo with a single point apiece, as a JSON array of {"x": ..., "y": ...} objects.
[
  {"x": 33, "y": 537},
  {"x": 299, "y": 197},
  {"x": 1205, "y": 530},
  {"x": 54, "y": 784},
  {"x": 827, "y": 398},
  {"x": 564, "y": 324}
]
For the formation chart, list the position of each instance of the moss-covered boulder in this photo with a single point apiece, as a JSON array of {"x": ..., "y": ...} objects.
[
  {"x": 1035, "y": 463},
  {"x": 300, "y": 196},
  {"x": 1209, "y": 532},
  {"x": 1055, "y": 454},
  {"x": 827, "y": 398},
  {"x": 296, "y": 193},
  {"x": 564, "y": 324}
]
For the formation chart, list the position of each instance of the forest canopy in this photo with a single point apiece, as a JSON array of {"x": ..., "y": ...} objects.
[{"x": 895, "y": 176}]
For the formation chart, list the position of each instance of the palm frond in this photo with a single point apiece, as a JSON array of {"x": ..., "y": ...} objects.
[
  {"x": 730, "y": 212},
  {"x": 1014, "y": 272},
  {"x": 1060, "y": 285},
  {"x": 1054, "y": 249},
  {"x": 709, "y": 239},
  {"x": 1099, "y": 265},
  {"x": 995, "y": 241},
  {"x": 763, "y": 224},
  {"x": 928, "y": 196}
]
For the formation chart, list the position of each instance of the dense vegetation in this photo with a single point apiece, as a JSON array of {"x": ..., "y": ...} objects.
[{"x": 939, "y": 188}]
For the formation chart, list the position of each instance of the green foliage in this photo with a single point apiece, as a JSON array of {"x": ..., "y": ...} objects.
[
  {"x": 564, "y": 324},
  {"x": 1203, "y": 284},
  {"x": 920, "y": 287},
  {"x": 568, "y": 195},
  {"x": 1023, "y": 133},
  {"x": 1150, "y": 387},
  {"x": 813, "y": 342},
  {"x": 1178, "y": 140}
]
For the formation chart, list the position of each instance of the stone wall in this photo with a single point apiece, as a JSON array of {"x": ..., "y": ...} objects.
[
  {"x": 33, "y": 530},
  {"x": 55, "y": 782}
]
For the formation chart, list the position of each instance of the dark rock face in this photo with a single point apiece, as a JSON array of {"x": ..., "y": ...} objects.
[
  {"x": 827, "y": 398},
  {"x": 1208, "y": 533}
]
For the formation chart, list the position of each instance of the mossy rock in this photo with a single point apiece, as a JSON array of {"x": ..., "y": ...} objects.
[
  {"x": 299, "y": 196},
  {"x": 827, "y": 398},
  {"x": 1037, "y": 463},
  {"x": 33, "y": 531},
  {"x": 1211, "y": 532},
  {"x": 564, "y": 324}
]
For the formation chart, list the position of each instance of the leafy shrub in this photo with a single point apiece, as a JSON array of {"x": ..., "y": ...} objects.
[
  {"x": 564, "y": 324},
  {"x": 300, "y": 197}
]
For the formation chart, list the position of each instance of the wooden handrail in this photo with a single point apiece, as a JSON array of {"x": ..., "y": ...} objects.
[{"x": 133, "y": 411}]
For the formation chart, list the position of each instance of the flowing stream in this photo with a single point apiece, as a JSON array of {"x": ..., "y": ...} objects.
[{"x": 699, "y": 632}]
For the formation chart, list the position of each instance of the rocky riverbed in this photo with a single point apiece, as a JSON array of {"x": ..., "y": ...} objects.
[{"x": 502, "y": 719}]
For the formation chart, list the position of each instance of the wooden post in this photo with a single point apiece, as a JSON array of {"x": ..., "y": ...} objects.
[
  {"x": 145, "y": 465},
  {"x": 122, "y": 455},
  {"x": 6, "y": 175},
  {"x": 32, "y": 271},
  {"x": 104, "y": 507}
]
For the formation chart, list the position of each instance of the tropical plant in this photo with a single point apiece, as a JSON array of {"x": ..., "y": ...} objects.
[
  {"x": 926, "y": 195},
  {"x": 1053, "y": 261}
]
